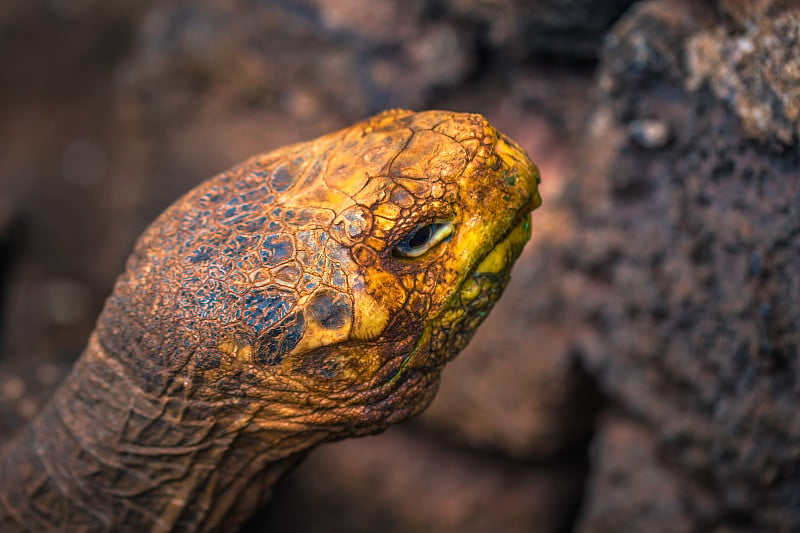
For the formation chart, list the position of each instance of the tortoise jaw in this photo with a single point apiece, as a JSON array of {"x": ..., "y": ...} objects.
[
  {"x": 474, "y": 298},
  {"x": 507, "y": 249}
]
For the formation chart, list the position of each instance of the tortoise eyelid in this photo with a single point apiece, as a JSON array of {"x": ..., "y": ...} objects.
[{"x": 423, "y": 238}]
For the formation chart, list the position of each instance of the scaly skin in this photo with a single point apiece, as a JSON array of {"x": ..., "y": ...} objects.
[{"x": 268, "y": 311}]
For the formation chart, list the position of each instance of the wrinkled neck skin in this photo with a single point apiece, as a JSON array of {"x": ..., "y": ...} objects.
[
  {"x": 104, "y": 455},
  {"x": 107, "y": 455}
]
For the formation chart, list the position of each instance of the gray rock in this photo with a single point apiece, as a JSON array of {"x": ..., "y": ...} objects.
[
  {"x": 523, "y": 28},
  {"x": 688, "y": 256},
  {"x": 756, "y": 71}
]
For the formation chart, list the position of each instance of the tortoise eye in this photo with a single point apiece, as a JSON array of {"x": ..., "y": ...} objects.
[{"x": 422, "y": 238}]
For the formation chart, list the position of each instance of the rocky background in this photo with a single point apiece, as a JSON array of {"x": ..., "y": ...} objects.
[{"x": 640, "y": 374}]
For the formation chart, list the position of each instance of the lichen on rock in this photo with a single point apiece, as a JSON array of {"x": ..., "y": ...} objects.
[{"x": 755, "y": 71}]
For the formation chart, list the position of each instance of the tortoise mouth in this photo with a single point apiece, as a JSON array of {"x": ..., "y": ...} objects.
[
  {"x": 500, "y": 257},
  {"x": 508, "y": 248},
  {"x": 485, "y": 282}
]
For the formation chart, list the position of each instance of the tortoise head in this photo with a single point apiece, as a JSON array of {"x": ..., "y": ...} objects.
[{"x": 328, "y": 282}]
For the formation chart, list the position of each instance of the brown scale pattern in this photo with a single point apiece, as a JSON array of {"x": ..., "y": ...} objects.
[{"x": 268, "y": 311}]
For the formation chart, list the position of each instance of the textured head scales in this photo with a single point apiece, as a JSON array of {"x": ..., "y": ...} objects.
[{"x": 285, "y": 286}]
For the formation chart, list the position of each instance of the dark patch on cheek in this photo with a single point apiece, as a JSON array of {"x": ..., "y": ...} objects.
[
  {"x": 329, "y": 309},
  {"x": 294, "y": 332},
  {"x": 280, "y": 340},
  {"x": 262, "y": 309}
]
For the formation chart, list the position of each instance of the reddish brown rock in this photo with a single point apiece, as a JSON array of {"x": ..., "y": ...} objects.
[{"x": 631, "y": 489}]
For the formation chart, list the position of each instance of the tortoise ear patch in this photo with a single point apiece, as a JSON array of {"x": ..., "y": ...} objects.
[{"x": 330, "y": 309}]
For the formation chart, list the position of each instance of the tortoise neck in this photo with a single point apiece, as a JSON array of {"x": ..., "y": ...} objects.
[{"x": 106, "y": 455}]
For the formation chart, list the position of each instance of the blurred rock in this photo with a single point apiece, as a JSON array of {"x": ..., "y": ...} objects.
[
  {"x": 630, "y": 489},
  {"x": 688, "y": 256},
  {"x": 756, "y": 71},
  {"x": 25, "y": 385},
  {"x": 65, "y": 302},
  {"x": 68, "y": 36},
  {"x": 744, "y": 14},
  {"x": 649, "y": 133},
  {"x": 403, "y": 482},
  {"x": 645, "y": 46},
  {"x": 13, "y": 11},
  {"x": 10, "y": 11},
  {"x": 573, "y": 28},
  {"x": 348, "y": 58},
  {"x": 209, "y": 83},
  {"x": 12, "y": 229},
  {"x": 57, "y": 57}
]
